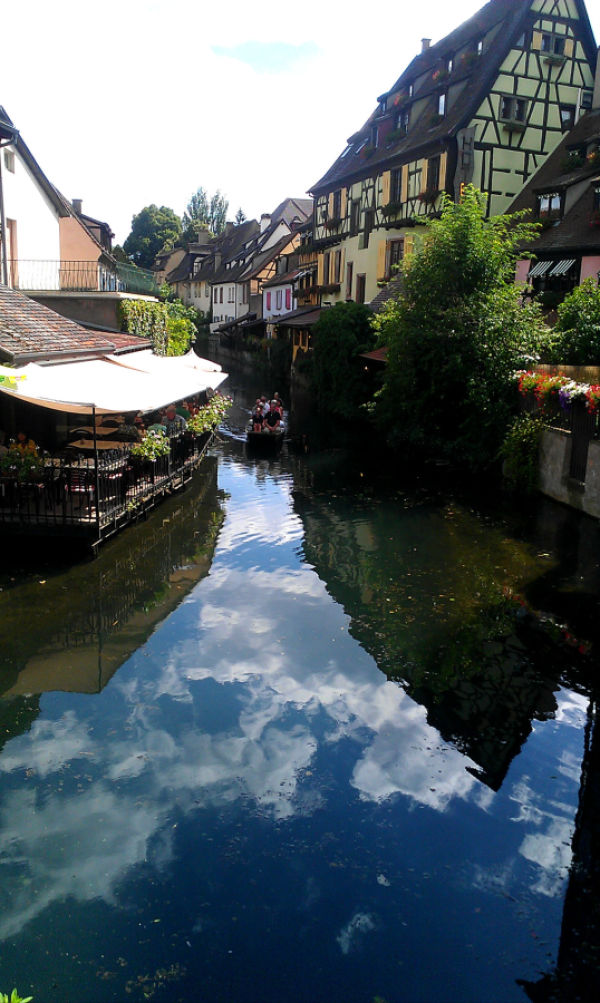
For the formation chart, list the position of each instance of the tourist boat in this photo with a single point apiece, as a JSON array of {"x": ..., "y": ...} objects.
[{"x": 264, "y": 443}]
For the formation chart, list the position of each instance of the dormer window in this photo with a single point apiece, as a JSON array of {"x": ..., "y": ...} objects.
[
  {"x": 381, "y": 108},
  {"x": 479, "y": 47},
  {"x": 449, "y": 65},
  {"x": 402, "y": 119},
  {"x": 374, "y": 137},
  {"x": 442, "y": 102},
  {"x": 550, "y": 205},
  {"x": 411, "y": 90}
]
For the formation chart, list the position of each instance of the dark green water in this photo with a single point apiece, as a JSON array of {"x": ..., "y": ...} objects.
[{"x": 305, "y": 735}]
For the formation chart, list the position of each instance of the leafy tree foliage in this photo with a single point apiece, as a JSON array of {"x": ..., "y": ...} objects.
[
  {"x": 339, "y": 336},
  {"x": 456, "y": 334},
  {"x": 152, "y": 229},
  {"x": 577, "y": 329},
  {"x": 240, "y": 216},
  {"x": 203, "y": 211}
]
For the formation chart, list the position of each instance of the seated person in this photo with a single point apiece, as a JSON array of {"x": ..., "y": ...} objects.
[
  {"x": 25, "y": 445},
  {"x": 272, "y": 419},
  {"x": 279, "y": 403},
  {"x": 156, "y": 423},
  {"x": 257, "y": 417},
  {"x": 183, "y": 410},
  {"x": 174, "y": 423}
]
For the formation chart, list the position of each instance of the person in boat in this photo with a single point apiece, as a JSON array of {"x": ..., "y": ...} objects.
[
  {"x": 265, "y": 405},
  {"x": 272, "y": 421},
  {"x": 257, "y": 416},
  {"x": 279, "y": 401}
]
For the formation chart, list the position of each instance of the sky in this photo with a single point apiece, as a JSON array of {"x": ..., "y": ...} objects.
[{"x": 133, "y": 102}]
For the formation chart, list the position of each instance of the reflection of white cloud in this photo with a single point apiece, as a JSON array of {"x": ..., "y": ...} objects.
[
  {"x": 48, "y": 746},
  {"x": 548, "y": 848},
  {"x": 360, "y": 924}
]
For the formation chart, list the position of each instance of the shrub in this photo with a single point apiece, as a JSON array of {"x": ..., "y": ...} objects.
[
  {"x": 577, "y": 329},
  {"x": 520, "y": 452}
]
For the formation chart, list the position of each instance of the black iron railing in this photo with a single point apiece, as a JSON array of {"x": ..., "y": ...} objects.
[{"x": 74, "y": 492}]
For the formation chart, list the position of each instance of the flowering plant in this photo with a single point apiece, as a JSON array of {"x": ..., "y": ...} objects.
[
  {"x": 593, "y": 398},
  {"x": 153, "y": 445}
]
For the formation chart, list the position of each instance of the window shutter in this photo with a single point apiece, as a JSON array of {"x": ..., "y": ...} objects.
[
  {"x": 443, "y": 167},
  {"x": 536, "y": 40},
  {"x": 344, "y": 205},
  {"x": 330, "y": 205},
  {"x": 288, "y": 299},
  {"x": 568, "y": 47},
  {"x": 404, "y": 186},
  {"x": 409, "y": 244},
  {"x": 424, "y": 176},
  {"x": 268, "y": 301},
  {"x": 320, "y": 270},
  {"x": 381, "y": 259},
  {"x": 342, "y": 257},
  {"x": 386, "y": 182}
]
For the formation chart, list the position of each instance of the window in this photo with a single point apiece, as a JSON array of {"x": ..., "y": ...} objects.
[
  {"x": 245, "y": 292},
  {"x": 411, "y": 90},
  {"x": 396, "y": 185},
  {"x": 449, "y": 65},
  {"x": 230, "y": 294},
  {"x": 349, "y": 270},
  {"x": 326, "y": 268},
  {"x": 553, "y": 45},
  {"x": 395, "y": 255},
  {"x": 354, "y": 218},
  {"x": 337, "y": 266},
  {"x": 402, "y": 119},
  {"x": 442, "y": 104},
  {"x": 479, "y": 48},
  {"x": 374, "y": 137},
  {"x": 215, "y": 295},
  {"x": 433, "y": 173},
  {"x": 586, "y": 100},
  {"x": 221, "y": 294},
  {"x": 278, "y": 299},
  {"x": 550, "y": 205},
  {"x": 513, "y": 109},
  {"x": 361, "y": 282},
  {"x": 567, "y": 116},
  {"x": 337, "y": 204},
  {"x": 9, "y": 161},
  {"x": 369, "y": 221}
]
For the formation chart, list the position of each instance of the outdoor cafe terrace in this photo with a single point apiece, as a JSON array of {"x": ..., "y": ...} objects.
[{"x": 95, "y": 484}]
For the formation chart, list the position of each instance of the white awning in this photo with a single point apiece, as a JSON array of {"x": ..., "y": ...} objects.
[
  {"x": 562, "y": 267},
  {"x": 539, "y": 269},
  {"x": 140, "y": 382}
]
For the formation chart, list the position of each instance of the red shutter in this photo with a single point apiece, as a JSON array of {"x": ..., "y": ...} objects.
[
  {"x": 268, "y": 301},
  {"x": 288, "y": 299}
]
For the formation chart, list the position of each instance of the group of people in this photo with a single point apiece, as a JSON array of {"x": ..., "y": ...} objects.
[
  {"x": 267, "y": 416},
  {"x": 170, "y": 421},
  {"x": 22, "y": 444}
]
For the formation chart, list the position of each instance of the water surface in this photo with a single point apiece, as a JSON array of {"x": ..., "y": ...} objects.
[{"x": 299, "y": 737}]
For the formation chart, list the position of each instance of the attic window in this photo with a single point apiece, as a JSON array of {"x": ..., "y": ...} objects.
[
  {"x": 586, "y": 100},
  {"x": 553, "y": 44},
  {"x": 411, "y": 90},
  {"x": 513, "y": 110},
  {"x": 567, "y": 116},
  {"x": 402, "y": 120},
  {"x": 442, "y": 102},
  {"x": 9, "y": 161},
  {"x": 374, "y": 136},
  {"x": 346, "y": 152},
  {"x": 479, "y": 47},
  {"x": 550, "y": 205},
  {"x": 449, "y": 65}
]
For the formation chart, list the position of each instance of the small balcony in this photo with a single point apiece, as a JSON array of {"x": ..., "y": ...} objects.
[{"x": 31, "y": 275}]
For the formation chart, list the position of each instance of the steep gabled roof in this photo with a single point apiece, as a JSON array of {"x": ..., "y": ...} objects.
[
  {"x": 574, "y": 232},
  {"x": 26, "y": 155},
  {"x": 500, "y": 22}
]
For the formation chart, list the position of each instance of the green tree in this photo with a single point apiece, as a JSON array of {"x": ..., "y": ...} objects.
[
  {"x": 577, "y": 329},
  {"x": 339, "y": 336},
  {"x": 152, "y": 229},
  {"x": 456, "y": 334},
  {"x": 203, "y": 211},
  {"x": 240, "y": 216}
]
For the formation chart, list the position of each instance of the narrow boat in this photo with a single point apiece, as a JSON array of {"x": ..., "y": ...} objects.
[{"x": 264, "y": 443}]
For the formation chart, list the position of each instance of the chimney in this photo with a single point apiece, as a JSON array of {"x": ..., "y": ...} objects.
[
  {"x": 596, "y": 96},
  {"x": 77, "y": 204},
  {"x": 265, "y": 221},
  {"x": 425, "y": 43},
  {"x": 229, "y": 227},
  {"x": 217, "y": 260}
]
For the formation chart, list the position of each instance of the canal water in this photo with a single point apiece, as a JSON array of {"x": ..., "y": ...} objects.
[{"x": 307, "y": 735}]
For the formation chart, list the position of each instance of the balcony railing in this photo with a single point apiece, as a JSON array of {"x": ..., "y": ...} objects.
[{"x": 80, "y": 276}]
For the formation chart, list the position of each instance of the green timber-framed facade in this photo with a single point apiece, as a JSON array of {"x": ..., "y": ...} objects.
[{"x": 486, "y": 105}]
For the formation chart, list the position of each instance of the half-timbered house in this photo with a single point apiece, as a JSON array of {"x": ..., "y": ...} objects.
[{"x": 486, "y": 105}]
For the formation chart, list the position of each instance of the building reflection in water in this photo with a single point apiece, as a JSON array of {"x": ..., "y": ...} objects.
[{"x": 80, "y": 626}]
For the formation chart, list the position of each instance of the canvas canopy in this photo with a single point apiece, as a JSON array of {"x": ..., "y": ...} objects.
[{"x": 114, "y": 384}]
